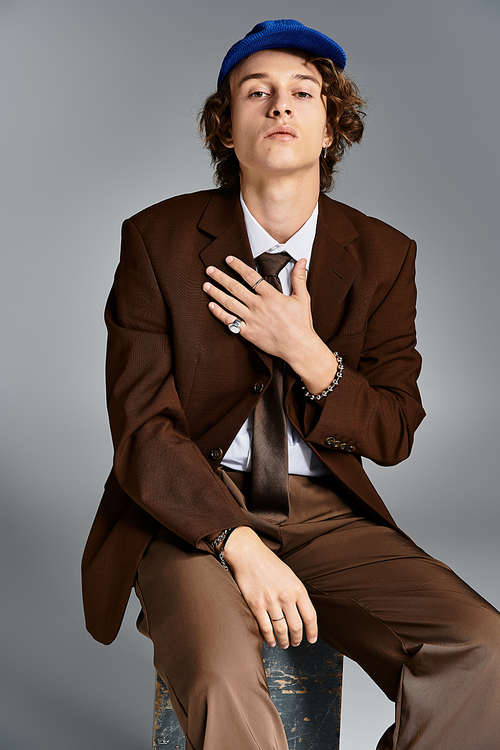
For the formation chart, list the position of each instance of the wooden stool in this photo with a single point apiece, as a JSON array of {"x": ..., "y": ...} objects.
[{"x": 305, "y": 684}]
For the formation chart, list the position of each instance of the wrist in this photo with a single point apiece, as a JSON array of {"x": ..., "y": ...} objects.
[
  {"x": 241, "y": 539},
  {"x": 322, "y": 394},
  {"x": 219, "y": 545},
  {"x": 316, "y": 366}
]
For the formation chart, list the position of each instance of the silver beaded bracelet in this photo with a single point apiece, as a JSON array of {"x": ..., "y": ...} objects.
[{"x": 335, "y": 381}]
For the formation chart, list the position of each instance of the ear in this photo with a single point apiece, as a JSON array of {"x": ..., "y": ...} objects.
[
  {"x": 328, "y": 135},
  {"x": 227, "y": 140}
]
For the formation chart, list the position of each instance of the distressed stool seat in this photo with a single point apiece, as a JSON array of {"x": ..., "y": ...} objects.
[{"x": 305, "y": 684}]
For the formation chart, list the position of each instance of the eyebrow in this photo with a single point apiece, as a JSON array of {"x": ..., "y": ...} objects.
[{"x": 262, "y": 76}]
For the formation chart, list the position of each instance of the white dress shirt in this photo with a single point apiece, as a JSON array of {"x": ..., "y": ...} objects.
[{"x": 301, "y": 459}]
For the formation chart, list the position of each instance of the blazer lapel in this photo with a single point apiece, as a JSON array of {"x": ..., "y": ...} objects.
[
  {"x": 223, "y": 220},
  {"x": 331, "y": 273},
  {"x": 332, "y": 269}
]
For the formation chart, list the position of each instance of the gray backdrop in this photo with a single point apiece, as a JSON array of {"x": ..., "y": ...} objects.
[{"x": 98, "y": 117}]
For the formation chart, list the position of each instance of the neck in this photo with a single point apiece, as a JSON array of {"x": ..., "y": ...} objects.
[{"x": 281, "y": 207}]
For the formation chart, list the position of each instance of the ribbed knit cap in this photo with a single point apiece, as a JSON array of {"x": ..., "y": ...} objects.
[{"x": 282, "y": 33}]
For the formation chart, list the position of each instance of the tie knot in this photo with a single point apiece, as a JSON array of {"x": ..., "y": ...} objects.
[{"x": 270, "y": 264}]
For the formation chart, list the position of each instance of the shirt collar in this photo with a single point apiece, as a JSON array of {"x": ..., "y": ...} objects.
[{"x": 298, "y": 246}]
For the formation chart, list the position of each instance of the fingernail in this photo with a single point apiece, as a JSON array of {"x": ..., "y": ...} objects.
[
  {"x": 210, "y": 269},
  {"x": 229, "y": 259},
  {"x": 206, "y": 287}
]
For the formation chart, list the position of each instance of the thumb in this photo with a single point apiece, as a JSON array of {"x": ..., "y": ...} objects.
[{"x": 299, "y": 277}]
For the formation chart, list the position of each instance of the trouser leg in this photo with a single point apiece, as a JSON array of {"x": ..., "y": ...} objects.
[
  {"x": 207, "y": 649},
  {"x": 428, "y": 640}
]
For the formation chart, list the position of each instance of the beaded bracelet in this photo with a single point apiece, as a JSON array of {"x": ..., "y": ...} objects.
[
  {"x": 223, "y": 537},
  {"x": 335, "y": 381}
]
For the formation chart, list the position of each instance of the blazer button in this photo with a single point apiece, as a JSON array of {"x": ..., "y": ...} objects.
[
  {"x": 351, "y": 449},
  {"x": 258, "y": 387},
  {"x": 216, "y": 454},
  {"x": 343, "y": 446},
  {"x": 329, "y": 440}
]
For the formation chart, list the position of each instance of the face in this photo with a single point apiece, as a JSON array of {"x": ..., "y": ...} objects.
[{"x": 278, "y": 115}]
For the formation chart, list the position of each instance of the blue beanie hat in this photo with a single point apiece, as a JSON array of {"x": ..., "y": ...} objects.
[{"x": 282, "y": 33}]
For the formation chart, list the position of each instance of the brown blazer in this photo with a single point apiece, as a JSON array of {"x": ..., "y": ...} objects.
[{"x": 180, "y": 385}]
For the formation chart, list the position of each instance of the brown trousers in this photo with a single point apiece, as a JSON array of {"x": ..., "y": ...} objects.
[{"x": 428, "y": 640}]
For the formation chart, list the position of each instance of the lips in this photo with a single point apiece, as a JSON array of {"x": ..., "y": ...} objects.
[{"x": 281, "y": 132}]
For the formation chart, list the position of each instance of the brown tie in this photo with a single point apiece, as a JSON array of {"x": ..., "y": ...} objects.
[{"x": 269, "y": 492}]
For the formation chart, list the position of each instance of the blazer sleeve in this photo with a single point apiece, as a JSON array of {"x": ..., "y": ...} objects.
[
  {"x": 376, "y": 408},
  {"x": 155, "y": 461}
]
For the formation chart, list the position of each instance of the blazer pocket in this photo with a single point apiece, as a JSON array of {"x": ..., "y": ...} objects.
[
  {"x": 343, "y": 343},
  {"x": 349, "y": 347}
]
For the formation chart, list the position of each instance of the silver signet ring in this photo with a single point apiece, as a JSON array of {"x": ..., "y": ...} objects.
[{"x": 235, "y": 326}]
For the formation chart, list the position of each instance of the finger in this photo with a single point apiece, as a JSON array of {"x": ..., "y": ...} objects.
[
  {"x": 294, "y": 624},
  {"x": 261, "y": 280},
  {"x": 309, "y": 618},
  {"x": 265, "y": 627},
  {"x": 225, "y": 317},
  {"x": 299, "y": 277},
  {"x": 233, "y": 286},
  {"x": 249, "y": 275},
  {"x": 231, "y": 304},
  {"x": 294, "y": 629},
  {"x": 280, "y": 627}
]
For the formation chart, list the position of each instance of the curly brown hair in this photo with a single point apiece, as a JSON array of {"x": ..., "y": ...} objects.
[{"x": 345, "y": 113}]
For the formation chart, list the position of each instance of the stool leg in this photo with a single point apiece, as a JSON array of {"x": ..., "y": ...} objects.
[
  {"x": 166, "y": 729},
  {"x": 305, "y": 684}
]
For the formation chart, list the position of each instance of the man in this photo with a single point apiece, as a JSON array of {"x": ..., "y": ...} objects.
[{"x": 261, "y": 342}]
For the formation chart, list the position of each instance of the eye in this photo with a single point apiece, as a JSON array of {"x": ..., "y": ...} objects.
[
  {"x": 303, "y": 95},
  {"x": 258, "y": 94}
]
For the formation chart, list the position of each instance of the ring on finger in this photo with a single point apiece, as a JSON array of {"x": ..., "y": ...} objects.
[
  {"x": 235, "y": 325},
  {"x": 257, "y": 283},
  {"x": 277, "y": 619}
]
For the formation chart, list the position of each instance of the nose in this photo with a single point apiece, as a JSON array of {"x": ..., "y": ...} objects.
[
  {"x": 280, "y": 104},
  {"x": 277, "y": 112}
]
